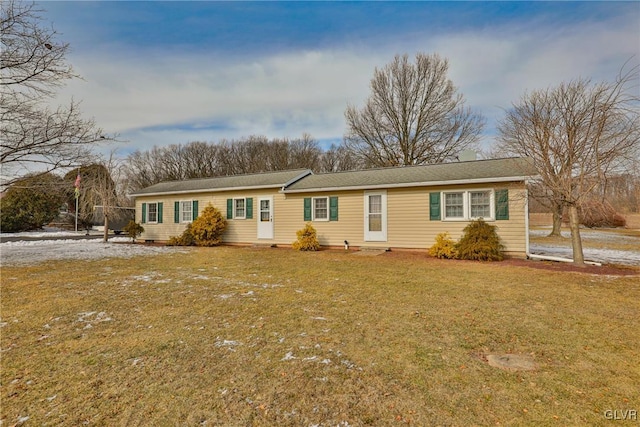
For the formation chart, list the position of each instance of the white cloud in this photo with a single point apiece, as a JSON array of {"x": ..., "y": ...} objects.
[{"x": 153, "y": 99}]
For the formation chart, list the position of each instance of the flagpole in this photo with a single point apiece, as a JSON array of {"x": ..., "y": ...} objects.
[
  {"x": 76, "y": 214},
  {"x": 77, "y": 194}
]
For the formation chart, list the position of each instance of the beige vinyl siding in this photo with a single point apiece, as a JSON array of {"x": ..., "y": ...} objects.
[
  {"x": 290, "y": 218},
  {"x": 408, "y": 223},
  {"x": 238, "y": 230}
]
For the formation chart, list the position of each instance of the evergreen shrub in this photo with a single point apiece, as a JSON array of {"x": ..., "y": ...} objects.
[
  {"x": 307, "y": 239},
  {"x": 445, "y": 247},
  {"x": 480, "y": 242},
  {"x": 185, "y": 239},
  {"x": 205, "y": 230},
  {"x": 133, "y": 230}
]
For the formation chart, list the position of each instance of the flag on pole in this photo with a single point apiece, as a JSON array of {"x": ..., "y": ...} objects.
[{"x": 77, "y": 185}]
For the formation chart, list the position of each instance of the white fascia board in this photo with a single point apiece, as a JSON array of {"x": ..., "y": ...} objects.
[{"x": 411, "y": 184}]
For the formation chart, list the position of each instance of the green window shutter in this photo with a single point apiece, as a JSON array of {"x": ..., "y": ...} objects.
[
  {"x": 229, "y": 208},
  {"x": 434, "y": 206},
  {"x": 176, "y": 212},
  {"x": 195, "y": 209},
  {"x": 502, "y": 204},
  {"x": 159, "y": 213},
  {"x": 248, "y": 213},
  {"x": 307, "y": 208},
  {"x": 333, "y": 208},
  {"x": 144, "y": 213}
]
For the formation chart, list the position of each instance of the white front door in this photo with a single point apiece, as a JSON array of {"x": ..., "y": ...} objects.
[
  {"x": 265, "y": 217},
  {"x": 375, "y": 216}
]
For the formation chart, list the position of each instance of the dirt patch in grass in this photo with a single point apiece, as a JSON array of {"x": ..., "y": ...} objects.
[{"x": 511, "y": 362}]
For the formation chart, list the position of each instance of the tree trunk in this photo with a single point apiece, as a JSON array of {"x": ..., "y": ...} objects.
[
  {"x": 557, "y": 220},
  {"x": 576, "y": 241},
  {"x": 106, "y": 227}
]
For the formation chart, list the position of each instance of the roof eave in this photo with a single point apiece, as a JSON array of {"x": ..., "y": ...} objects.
[
  {"x": 410, "y": 184},
  {"x": 208, "y": 190}
]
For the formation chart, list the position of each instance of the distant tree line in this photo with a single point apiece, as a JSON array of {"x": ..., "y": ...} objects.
[{"x": 253, "y": 154}]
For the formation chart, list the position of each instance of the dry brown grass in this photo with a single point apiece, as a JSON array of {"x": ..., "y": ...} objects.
[{"x": 245, "y": 336}]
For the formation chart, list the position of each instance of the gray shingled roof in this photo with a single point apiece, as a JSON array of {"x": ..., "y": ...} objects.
[
  {"x": 260, "y": 180},
  {"x": 476, "y": 171}
]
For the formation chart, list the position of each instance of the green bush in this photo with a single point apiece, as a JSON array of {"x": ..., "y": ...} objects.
[
  {"x": 133, "y": 230},
  {"x": 207, "y": 229},
  {"x": 481, "y": 242},
  {"x": 444, "y": 247},
  {"x": 30, "y": 203},
  {"x": 307, "y": 239}
]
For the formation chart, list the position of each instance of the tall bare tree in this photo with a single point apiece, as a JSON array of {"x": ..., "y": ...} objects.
[
  {"x": 33, "y": 67},
  {"x": 577, "y": 133},
  {"x": 414, "y": 115}
]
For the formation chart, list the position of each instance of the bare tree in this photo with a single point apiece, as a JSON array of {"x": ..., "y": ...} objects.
[
  {"x": 304, "y": 153},
  {"x": 339, "y": 158},
  {"x": 577, "y": 134},
  {"x": 414, "y": 116},
  {"x": 101, "y": 191},
  {"x": 33, "y": 67}
]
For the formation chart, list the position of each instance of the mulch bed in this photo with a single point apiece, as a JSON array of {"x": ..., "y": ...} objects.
[{"x": 605, "y": 269}]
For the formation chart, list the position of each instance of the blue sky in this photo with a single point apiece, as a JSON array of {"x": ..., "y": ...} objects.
[{"x": 160, "y": 73}]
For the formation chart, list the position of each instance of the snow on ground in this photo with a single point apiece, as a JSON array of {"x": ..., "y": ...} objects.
[
  {"x": 602, "y": 255},
  {"x": 605, "y": 256},
  {"x": 48, "y": 232},
  {"x": 35, "y": 251},
  {"x": 597, "y": 235}
]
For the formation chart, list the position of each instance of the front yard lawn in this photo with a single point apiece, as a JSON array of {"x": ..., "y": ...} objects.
[{"x": 255, "y": 336}]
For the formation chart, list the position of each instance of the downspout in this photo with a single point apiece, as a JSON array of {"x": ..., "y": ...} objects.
[{"x": 526, "y": 219}]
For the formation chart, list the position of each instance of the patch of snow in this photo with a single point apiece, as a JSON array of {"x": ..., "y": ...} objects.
[
  {"x": 288, "y": 356},
  {"x": 27, "y": 252},
  {"x": 227, "y": 343},
  {"x": 607, "y": 256},
  {"x": 587, "y": 234}
]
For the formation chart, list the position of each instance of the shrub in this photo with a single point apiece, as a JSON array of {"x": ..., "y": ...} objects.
[
  {"x": 207, "y": 229},
  {"x": 481, "y": 242},
  {"x": 307, "y": 239},
  {"x": 30, "y": 203},
  {"x": 444, "y": 247},
  {"x": 133, "y": 230},
  {"x": 185, "y": 239},
  {"x": 595, "y": 213}
]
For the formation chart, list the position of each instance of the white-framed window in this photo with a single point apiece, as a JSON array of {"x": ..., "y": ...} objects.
[
  {"x": 321, "y": 209},
  {"x": 152, "y": 212},
  {"x": 480, "y": 204},
  {"x": 186, "y": 211},
  {"x": 239, "y": 209},
  {"x": 468, "y": 205},
  {"x": 454, "y": 205}
]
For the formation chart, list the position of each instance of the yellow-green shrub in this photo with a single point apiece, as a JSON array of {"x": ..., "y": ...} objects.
[
  {"x": 444, "y": 247},
  {"x": 207, "y": 228},
  {"x": 307, "y": 239},
  {"x": 185, "y": 239},
  {"x": 481, "y": 242}
]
